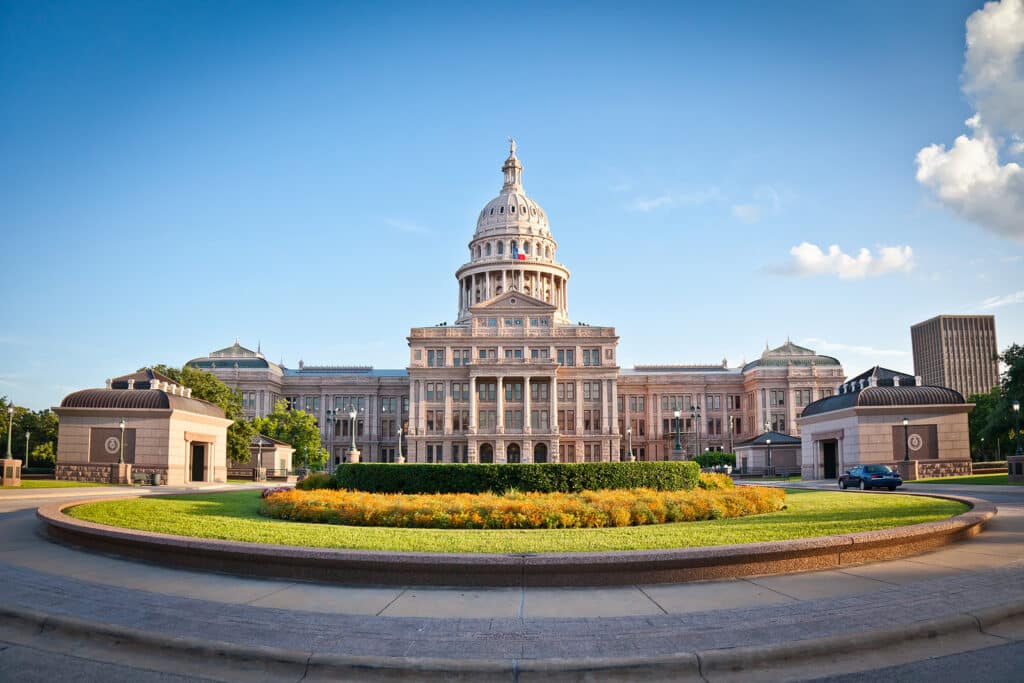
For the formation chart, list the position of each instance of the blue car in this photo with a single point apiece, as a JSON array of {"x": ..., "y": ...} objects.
[{"x": 867, "y": 477}]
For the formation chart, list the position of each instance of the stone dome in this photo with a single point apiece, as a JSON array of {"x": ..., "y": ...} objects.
[{"x": 512, "y": 211}]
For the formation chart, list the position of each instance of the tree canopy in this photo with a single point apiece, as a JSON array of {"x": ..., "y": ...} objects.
[
  {"x": 207, "y": 387},
  {"x": 297, "y": 428},
  {"x": 993, "y": 417},
  {"x": 41, "y": 425}
]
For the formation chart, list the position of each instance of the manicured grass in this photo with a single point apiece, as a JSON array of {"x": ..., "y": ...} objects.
[
  {"x": 233, "y": 516},
  {"x": 977, "y": 479},
  {"x": 51, "y": 484}
]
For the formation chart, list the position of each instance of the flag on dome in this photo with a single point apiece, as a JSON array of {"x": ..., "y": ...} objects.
[{"x": 521, "y": 256}]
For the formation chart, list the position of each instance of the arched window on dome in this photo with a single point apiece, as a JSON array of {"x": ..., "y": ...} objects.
[
  {"x": 512, "y": 246},
  {"x": 501, "y": 209},
  {"x": 501, "y": 248},
  {"x": 492, "y": 211},
  {"x": 536, "y": 249},
  {"x": 547, "y": 252},
  {"x": 526, "y": 247},
  {"x": 487, "y": 249},
  {"x": 513, "y": 208},
  {"x": 478, "y": 251}
]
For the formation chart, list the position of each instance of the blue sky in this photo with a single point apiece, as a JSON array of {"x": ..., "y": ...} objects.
[{"x": 174, "y": 175}]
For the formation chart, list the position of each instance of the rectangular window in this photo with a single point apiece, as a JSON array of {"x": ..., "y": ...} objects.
[
  {"x": 430, "y": 391},
  {"x": 566, "y": 357},
  {"x": 640, "y": 404},
  {"x": 632, "y": 404},
  {"x": 430, "y": 358},
  {"x": 539, "y": 353},
  {"x": 586, "y": 391}
]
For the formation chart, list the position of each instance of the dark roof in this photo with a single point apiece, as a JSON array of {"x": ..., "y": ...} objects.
[
  {"x": 143, "y": 379},
  {"x": 145, "y": 399},
  {"x": 228, "y": 363},
  {"x": 322, "y": 370},
  {"x": 886, "y": 396},
  {"x": 778, "y": 439},
  {"x": 256, "y": 438},
  {"x": 882, "y": 377},
  {"x": 790, "y": 354}
]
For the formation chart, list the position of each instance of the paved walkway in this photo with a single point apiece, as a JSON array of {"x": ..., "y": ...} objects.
[{"x": 484, "y": 628}]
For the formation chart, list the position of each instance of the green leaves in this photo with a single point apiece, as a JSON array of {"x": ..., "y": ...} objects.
[{"x": 297, "y": 428}]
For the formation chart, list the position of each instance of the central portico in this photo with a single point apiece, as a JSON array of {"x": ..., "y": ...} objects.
[{"x": 513, "y": 380}]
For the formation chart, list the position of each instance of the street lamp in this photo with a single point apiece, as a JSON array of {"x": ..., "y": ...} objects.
[
  {"x": 352, "y": 428},
  {"x": 906, "y": 441},
  {"x": 120, "y": 458},
  {"x": 1017, "y": 428},
  {"x": 401, "y": 458},
  {"x": 769, "y": 468},
  {"x": 679, "y": 443},
  {"x": 27, "y": 434},
  {"x": 629, "y": 442},
  {"x": 10, "y": 428}
]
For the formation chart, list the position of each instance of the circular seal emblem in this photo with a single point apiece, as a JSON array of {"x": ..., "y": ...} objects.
[
  {"x": 112, "y": 445},
  {"x": 915, "y": 442}
]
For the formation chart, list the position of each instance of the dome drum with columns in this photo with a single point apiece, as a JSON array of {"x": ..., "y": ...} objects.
[{"x": 512, "y": 250}]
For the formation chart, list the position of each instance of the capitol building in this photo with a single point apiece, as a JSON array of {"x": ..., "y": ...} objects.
[{"x": 514, "y": 379}]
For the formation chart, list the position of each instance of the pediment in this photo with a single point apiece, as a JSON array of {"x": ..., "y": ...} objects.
[{"x": 509, "y": 302}]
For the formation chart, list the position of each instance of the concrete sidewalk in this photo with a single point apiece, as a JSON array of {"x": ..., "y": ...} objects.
[{"x": 667, "y": 628}]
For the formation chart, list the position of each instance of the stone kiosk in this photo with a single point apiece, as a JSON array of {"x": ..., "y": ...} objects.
[{"x": 141, "y": 424}]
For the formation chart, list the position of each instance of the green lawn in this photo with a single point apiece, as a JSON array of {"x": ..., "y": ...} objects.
[
  {"x": 977, "y": 479},
  {"x": 233, "y": 516},
  {"x": 51, "y": 484}
]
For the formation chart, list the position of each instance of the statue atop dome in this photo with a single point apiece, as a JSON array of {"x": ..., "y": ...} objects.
[{"x": 512, "y": 147}]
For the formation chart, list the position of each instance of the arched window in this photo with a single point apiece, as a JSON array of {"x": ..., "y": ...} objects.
[
  {"x": 513, "y": 208},
  {"x": 478, "y": 251},
  {"x": 492, "y": 211},
  {"x": 501, "y": 248},
  {"x": 512, "y": 246},
  {"x": 526, "y": 247},
  {"x": 487, "y": 249},
  {"x": 501, "y": 209}
]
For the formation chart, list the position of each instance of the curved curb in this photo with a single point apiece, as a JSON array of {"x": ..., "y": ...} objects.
[
  {"x": 301, "y": 663},
  {"x": 546, "y": 569}
]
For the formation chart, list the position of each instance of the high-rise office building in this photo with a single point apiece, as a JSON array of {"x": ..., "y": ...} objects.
[{"x": 957, "y": 351}]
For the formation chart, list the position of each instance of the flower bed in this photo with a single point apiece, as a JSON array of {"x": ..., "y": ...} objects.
[{"x": 514, "y": 510}]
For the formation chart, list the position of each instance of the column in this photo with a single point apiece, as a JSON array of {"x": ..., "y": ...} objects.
[
  {"x": 504, "y": 283},
  {"x": 579, "y": 410},
  {"x": 421, "y": 413},
  {"x": 553, "y": 417},
  {"x": 412, "y": 407},
  {"x": 527, "y": 425},
  {"x": 472, "y": 405},
  {"x": 501, "y": 405},
  {"x": 605, "y": 398}
]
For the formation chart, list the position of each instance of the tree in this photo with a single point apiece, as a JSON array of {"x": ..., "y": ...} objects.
[
  {"x": 296, "y": 428},
  {"x": 43, "y": 455},
  {"x": 992, "y": 417},
  {"x": 41, "y": 425},
  {"x": 205, "y": 386}
]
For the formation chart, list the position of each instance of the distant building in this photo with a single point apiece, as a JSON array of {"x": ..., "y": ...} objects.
[
  {"x": 513, "y": 379},
  {"x": 957, "y": 351}
]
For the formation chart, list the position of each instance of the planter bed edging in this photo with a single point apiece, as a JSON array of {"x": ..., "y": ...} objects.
[{"x": 369, "y": 567}]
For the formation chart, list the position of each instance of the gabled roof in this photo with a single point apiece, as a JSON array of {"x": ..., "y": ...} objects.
[
  {"x": 778, "y": 439},
  {"x": 143, "y": 379},
  {"x": 881, "y": 376},
  {"x": 513, "y": 300},
  {"x": 269, "y": 441}
]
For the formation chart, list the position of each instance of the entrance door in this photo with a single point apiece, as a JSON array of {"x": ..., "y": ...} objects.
[
  {"x": 486, "y": 453},
  {"x": 513, "y": 453},
  {"x": 198, "y": 461},
  {"x": 540, "y": 453},
  {"x": 829, "y": 453}
]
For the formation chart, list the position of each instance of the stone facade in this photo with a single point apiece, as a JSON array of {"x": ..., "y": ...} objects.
[
  {"x": 166, "y": 431},
  {"x": 513, "y": 379}
]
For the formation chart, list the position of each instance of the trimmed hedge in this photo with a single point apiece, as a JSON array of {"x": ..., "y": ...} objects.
[
  {"x": 715, "y": 459},
  {"x": 543, "y": 478},
  {"x": 316, "y": 480}
]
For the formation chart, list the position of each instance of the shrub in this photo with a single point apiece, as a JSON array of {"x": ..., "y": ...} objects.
[
  {"x": 316, "y": 480},
  {"x": 710, "y": 480},
  {"x": 715, "y": 459},
  {"x": 564, "y": 477},
  {"x": 517, "y": 510}
]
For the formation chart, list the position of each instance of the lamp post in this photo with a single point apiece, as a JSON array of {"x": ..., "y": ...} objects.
[
  {"x": 1017, "y": 427},
  {"x": 695, "y": 416},
  {"x": 768, "y": 469},
  {"x": 981, "y": 449},
  {"x": 679, "y": 443},
  {"x": 401, "y": 458},
  {"x": 906, "y": 441},
  {"x": 732, "y": 447},
  {"x": 10, "y": 428},
  {"x": 352, "y": 428},
  {"x": 27, "y": 434},
  {"x": 629, "y": 443},
  {"x": 120, "y": 458}
]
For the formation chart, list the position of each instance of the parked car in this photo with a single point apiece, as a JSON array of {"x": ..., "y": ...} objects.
[{"x": 867, "y": 477}]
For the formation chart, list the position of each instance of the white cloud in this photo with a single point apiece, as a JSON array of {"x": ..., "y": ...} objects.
[
  {"x": 676, "y": 199},
  {"x": 809, "y": 259},
  {"x": 748, "y": 213},
  {"x": 1005, "y": 300},
  {"x": 838, "y": 347},
  {"x": 407, "y": 226},
  {"x": 968, "y": 178}
]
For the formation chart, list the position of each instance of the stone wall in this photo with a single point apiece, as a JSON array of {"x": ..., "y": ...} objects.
[
  {"x": 931, "y": 469},
  {"x": 98, "y": 473}
]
